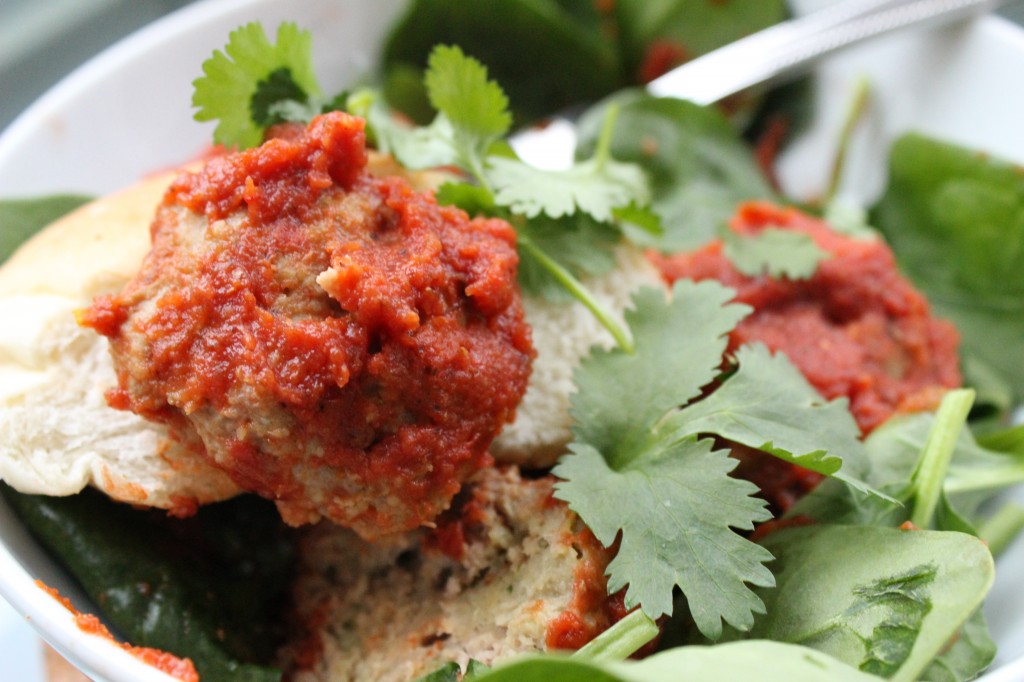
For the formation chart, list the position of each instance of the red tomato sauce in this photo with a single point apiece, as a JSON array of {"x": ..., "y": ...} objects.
[
  {"x": 180, "y": 668},
  {"x": 334, "y": 341},
  {"x": 855, "y": 329}
]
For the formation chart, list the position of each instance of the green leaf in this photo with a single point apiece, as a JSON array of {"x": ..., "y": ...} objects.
[
  {"x": 886, "y": 601},
  {"x": 897, "y": 453},
  {"x": 642, "y": 473},
  {"x": 240, "y": 86},
  {"x": 593, "y": 187},
  {"x": 476, "y": 108},
  {"x": 449, "y": 672},
  {"x": 675, "y": 507},
  {"x": 458, "y": 87},
  {"x": 183, "y": 586},
  {"x": 964, "y": 210},
  {"x": 774, "y": 252},
  {"x": 580, "y": 244},
  {"x": 749, "y": 660},
  {"x": 679, "y": 347},
  {"x": 698, "y": 166},
  {"x": 767, "y": 404},
  {"x": 681, "y": 502},
  {"x": 21, "y": 218},
  {"x": 560, "y": 56},
  {"x": 971, "y": 651}
]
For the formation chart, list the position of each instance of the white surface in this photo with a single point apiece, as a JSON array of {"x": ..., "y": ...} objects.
[
  {"x": 19, "y": 647},
  {"x": 128, "y": 113}
]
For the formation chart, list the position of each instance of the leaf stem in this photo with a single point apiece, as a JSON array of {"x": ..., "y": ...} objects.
[
  {"x": 938, "y": 451},
  {"x": 1002, "y": 527},
  {"x": 856, "y": 111},
  {"x": 621, "y": 640},
  {"x": 580, "y": 292},
  {"x": 603, "y": 150}
]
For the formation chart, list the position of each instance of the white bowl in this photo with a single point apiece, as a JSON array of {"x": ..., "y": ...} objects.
[{"x": 127, "y": 113}]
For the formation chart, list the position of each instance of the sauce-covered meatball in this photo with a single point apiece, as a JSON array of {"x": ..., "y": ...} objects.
[
  {"x": 334, "y": 341},
  {"x": 856, "y": 329}
]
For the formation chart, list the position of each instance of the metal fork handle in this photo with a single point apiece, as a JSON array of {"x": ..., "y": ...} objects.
[
  {"x": 774, "y": 52},
  {"x": 784, "y": 48}
]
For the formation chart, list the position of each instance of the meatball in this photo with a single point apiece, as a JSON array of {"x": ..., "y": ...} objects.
[
  {"x": 855, "y": 329},
  {"x": 509, "y": 570},
  {"x": 334, "y": 341}
]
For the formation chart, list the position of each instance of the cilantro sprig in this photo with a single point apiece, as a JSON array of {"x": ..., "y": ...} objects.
[
  {"x": 468, "y": 133},
  {"x": 252, "y": 83},
  {"x": 644, "y": 471}
]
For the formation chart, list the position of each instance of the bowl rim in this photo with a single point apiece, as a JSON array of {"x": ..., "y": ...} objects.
[{"x": 98, "y": 657}]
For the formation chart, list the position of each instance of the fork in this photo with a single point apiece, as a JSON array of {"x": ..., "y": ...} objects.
[{"x": 773, "y": 54}]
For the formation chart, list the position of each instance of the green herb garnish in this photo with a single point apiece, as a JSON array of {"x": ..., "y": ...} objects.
[
  {"x": 245, "y": 87},
  {"x": 643, "y": 472}
]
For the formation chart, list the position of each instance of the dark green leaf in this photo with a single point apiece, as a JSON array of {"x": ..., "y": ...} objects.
[
  {"x": 449, "y": 672},
  {"x": 955, "y": 219},
  {"x": 689, "y": 27},
  {"x": 21, "y": 218},
  {"x": 547, "y": 54},
  {"x": 189, "y": 587}
]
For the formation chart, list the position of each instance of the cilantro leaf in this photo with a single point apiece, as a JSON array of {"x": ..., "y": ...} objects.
[
  {"x": 681, "y": 502},
  {"x": 679, "y": 349},
  {"x": 475, "y": 107},
  {"x": 589, "y": 186},
  {"x": 674, "y": 505},
  {"x": 768, "y": 395},
  {"x": 584, "y": 247},
  {"x": 458, "y": 87},
  {"x": 241, "y": 85},
  {"x": 773, "y": 251},
  {"x": 642, "y": 472}
]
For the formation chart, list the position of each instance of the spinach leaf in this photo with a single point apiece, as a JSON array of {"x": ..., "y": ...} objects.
[
  {"x": 955, "y": 219},
  {"x": 21, "y": 218},
  {"x": 698, "y": 165},
  {"x": 558, "y": 55},
  {"x": 749, "y": 660},
  {"x": 883, "y": 600},
  {"x": 970, "y": 653},
  {"x": 207, "y": 588},
  {"x": 651, "y": 31}
]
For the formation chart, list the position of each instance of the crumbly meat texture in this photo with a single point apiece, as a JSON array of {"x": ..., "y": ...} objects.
[
  {"x": 856, "y": 329},
  {"x": 333, "y": 341},
  {"x": 509, "y": 570}
]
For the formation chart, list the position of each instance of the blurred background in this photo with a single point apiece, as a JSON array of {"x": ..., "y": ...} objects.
[{"x": 42, "y": 40}]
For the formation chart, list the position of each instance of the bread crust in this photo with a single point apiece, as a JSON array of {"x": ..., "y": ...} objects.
[{"x": 57, "y": 433}]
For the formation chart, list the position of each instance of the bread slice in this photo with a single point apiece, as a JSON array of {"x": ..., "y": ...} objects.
[{"x": 57, "y": 432}]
